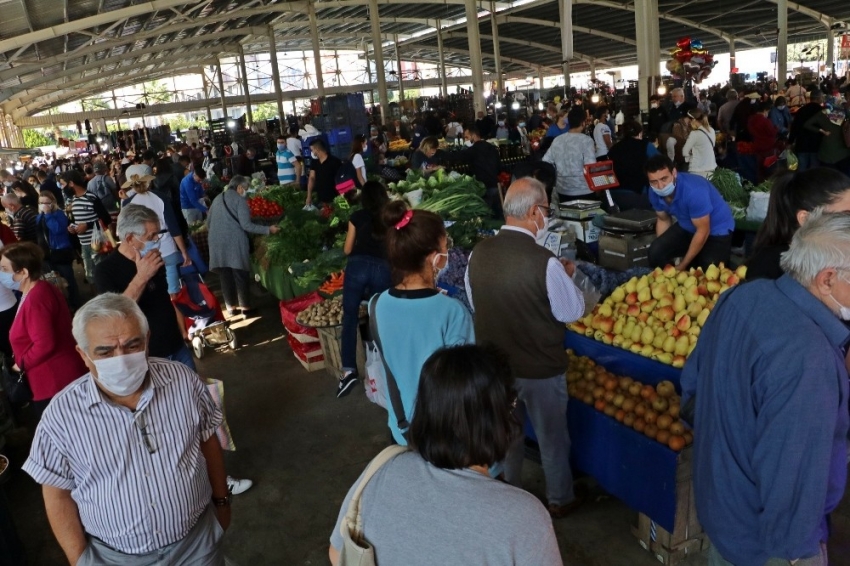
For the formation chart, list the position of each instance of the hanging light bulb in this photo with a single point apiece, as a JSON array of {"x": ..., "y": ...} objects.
[
  {"x": 231, "y": 123},
  {"x": 540, "y": 106},
  {"x": 595, "y": 98},
  {"x": 498, "y": 105},
  {"x": 515, "y": 105},
  {"x": 662, "y": 90}
]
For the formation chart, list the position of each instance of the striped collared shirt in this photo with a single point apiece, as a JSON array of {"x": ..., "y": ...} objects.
[{"x": 138, "y": 477}]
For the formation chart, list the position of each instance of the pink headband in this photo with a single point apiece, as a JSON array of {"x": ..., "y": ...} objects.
[{"x": 405, "y": 220}]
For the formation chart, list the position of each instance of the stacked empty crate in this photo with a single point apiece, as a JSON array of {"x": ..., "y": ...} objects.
[{"x": 339, "y": 118}]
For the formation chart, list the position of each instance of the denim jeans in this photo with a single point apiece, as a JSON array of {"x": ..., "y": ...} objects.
[
  {"x": 184, "y": 356},
  {"x": 172, "y": 271},
  {"x": 66, "y": 270},
  {"x": 364, "y": 276},
  {"x": 545, "y": 403},
  {"x": 807, "y": 160}
]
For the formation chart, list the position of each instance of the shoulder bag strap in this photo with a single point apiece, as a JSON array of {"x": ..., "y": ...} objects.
[
  {"x": 227, "y": 208},
  {"x": 353, "y": 518},
  {"x": 392, "y": 386},
  {"x": 708, "y": 136}
]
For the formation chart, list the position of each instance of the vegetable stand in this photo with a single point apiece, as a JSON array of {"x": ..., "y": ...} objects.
[{"x": 647, "y": 476}]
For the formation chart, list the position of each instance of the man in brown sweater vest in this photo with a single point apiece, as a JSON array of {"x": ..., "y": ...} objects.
[{"x": 522, "y": 296}]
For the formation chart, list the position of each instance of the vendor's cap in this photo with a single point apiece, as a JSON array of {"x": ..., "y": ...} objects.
[
  {"x": 752, "y": 96},
  {"x": 136, "y": 180}
]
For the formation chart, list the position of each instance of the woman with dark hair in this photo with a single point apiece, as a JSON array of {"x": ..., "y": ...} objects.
[
  {"x": 367, "y": 273},
  {"x": 41, "y": 337},
  {"x": 414, "y": 319},
  {"x": 629, "y": 156},
  {"x": 27, "y": 194},
  {"x": 358, "y": 147},
  {"x": 463, "y": 423},
  {"x": 794, "y": 195}
]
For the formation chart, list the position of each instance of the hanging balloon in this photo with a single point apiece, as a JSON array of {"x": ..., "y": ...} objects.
[
  {"x": 696, "y": 44},
  {"x": 684, "y": 55},
  {"x": 699, "y": 60},
  {"x": 675, "y": 51},
  {"x": 680, "y": 70},
  {"x": 672, "y": 65},
  {"x": 709, "y": 58},
  {"x": 698, "y": 51},
  {"x": 684, "y": 43}
]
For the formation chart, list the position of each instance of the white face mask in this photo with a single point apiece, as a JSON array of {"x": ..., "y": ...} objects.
[
  {"x": 313, "y": 155},
  {"x": 439, "y": 270},
  {"x": 843, "y": 312},
  {"x": 46, "y": 208},
  {"x": 540, "y": 237},
  {"x": 468, "y": 143},
  {"x": 122, "y": 375}
]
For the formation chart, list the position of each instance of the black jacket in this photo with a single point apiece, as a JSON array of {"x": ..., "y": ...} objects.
[
  {"x": 483, "y": 160},
  {"x": 805, "y": 141}
]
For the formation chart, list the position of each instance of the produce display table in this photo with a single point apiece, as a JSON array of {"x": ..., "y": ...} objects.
[
  {"x": 278, "y": 281},
  {"x": 635, "y": 469}
]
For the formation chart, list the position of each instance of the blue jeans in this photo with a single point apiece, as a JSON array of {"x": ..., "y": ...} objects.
[
  {"x": 184, "y": 356},
  {"x": 545, "y": 403},
  {"x": 807, "y": 160},
  {"x": 172, "y": 271},
  {"x": 364, "y": 276}
]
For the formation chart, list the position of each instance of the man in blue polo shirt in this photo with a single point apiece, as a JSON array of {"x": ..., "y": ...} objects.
[
  {"x": 286, "y": 162},
  {"x": 702, "y": 234}
]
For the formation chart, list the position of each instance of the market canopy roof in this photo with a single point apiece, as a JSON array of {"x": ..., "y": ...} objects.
[{"x": 57, "y": 51}]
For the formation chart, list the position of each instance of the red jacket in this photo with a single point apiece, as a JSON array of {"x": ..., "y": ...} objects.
[
  {"x": 763, "y": 131},
  {"x": 42, "y": 342}
]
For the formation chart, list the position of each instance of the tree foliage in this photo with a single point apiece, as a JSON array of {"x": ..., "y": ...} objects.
[{"x": 36, "y": 138}]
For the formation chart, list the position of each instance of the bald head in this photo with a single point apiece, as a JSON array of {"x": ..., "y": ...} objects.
[{"x": 523, "y": 196}]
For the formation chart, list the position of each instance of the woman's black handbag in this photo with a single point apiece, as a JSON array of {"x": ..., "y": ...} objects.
[{"x": 15, "y": 385}]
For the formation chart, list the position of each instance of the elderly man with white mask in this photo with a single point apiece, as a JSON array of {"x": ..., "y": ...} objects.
[{"x": 131, "y": 468}]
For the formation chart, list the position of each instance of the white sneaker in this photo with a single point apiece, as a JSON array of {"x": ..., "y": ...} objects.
[{"x": 237, "y": 486}]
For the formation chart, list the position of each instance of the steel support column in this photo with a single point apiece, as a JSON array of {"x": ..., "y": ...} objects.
[
  {"x": 221, "y": 92},
  {"x": 444, "y": 88},
  {"x": 830, "y": 47},
  {"x": 647, "y": 50},
  {"x": 732, "y": 59},
  {"x": 317, "y": 58},
  {"x": 207, "y": 92},
  {"x": 475, "y": 63},
  {"x": 566, "y": 9},
  {"x": 398, "y": 70},
  {"x": 494, "y": 25},
  {"x": 276, "y": 78},
  {"x": 243, "y": 72},
  {"x": 782, "y": 40},
  {"x": 378, "y": 51}
]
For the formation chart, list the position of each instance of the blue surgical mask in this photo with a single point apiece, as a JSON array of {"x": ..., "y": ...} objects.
[
  {"x": 149, "y": 247},
  {"x": 666, "y": 191},
  {"x": 522, "y": 124},
  {"x": 281, "y": 146},
  {"x": 6, "y": 279}
]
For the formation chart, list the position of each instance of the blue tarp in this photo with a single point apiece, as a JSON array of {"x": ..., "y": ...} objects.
[{"x": 628, "y": 465}]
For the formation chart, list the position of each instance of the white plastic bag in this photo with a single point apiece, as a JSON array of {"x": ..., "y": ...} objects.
[
  {"x": 757, "y": 209},
  {"x": 588, "y": 289},
  {"x": 414, "y": 197},
  {"x": 375, "y": 383}
]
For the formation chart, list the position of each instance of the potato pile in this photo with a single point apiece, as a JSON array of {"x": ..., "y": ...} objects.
[
  {"x": 653, "y": 411},
  {"x": 325, "y": 313}
]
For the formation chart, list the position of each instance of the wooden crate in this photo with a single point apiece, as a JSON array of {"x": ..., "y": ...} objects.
[
  {"x": 331, "y": 340},
  {"x": 687, "y": 537}
]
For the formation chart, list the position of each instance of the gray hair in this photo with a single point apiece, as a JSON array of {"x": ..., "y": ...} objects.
[
  {"x": 822, "y": 242},
  {"x": 732, "y": 94},
  {"x": 99, "y": 166},
  {"x": 132, "y": 220},
  {"x": 11, "y": 198},
  {"x": 677, "y": 90},
  {"x": 107, "y": 305},
  {"x": 238, "y": 181},
  {"x": 523, "y": 195}
]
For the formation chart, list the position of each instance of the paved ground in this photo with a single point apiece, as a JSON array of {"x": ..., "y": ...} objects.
[{"x": 304, "y": 448}]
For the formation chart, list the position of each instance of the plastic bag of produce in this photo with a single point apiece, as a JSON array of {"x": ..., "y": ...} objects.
[
  {"x": 414, "y": 197},
  {"x": 376, "y": 378},
  {"x": 757, "y": 209},
  {"x": 588, "y": 289}
]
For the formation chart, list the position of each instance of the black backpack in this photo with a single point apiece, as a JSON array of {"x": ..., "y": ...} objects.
[{"x": 346, "y": 177}]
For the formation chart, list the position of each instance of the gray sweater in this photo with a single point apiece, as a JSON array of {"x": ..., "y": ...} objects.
[{"x": 228, "y": 238}]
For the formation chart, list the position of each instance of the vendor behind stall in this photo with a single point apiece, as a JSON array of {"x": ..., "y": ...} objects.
[
  {"x": 322, "y": 173},
  {"x": 703, "y": 234},
  {"x": 423, "y": 158},
  {"x": 483, "y": 160}
]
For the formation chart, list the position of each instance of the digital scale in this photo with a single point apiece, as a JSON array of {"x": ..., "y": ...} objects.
[{"x": 600, "y": 176}]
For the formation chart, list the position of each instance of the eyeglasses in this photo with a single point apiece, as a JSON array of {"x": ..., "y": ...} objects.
[
  {"x": 545, "y": 210},
  {"x": 157, "y": 236},
  {"x": 147, "y": 436}
]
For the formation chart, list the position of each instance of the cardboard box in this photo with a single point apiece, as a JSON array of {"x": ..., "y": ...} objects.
[
  {"x": 623, "y": 251},
  {"x": 585, "y": 230}
]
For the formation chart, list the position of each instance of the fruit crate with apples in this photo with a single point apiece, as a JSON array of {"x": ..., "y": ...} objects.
[{"x": 647, "y": 475}]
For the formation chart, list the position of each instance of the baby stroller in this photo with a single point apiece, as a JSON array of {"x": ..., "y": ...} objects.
[{"x": 204, "y": 319}]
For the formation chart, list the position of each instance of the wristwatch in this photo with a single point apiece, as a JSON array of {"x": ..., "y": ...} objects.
[{"x": 221, "y": 501}]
